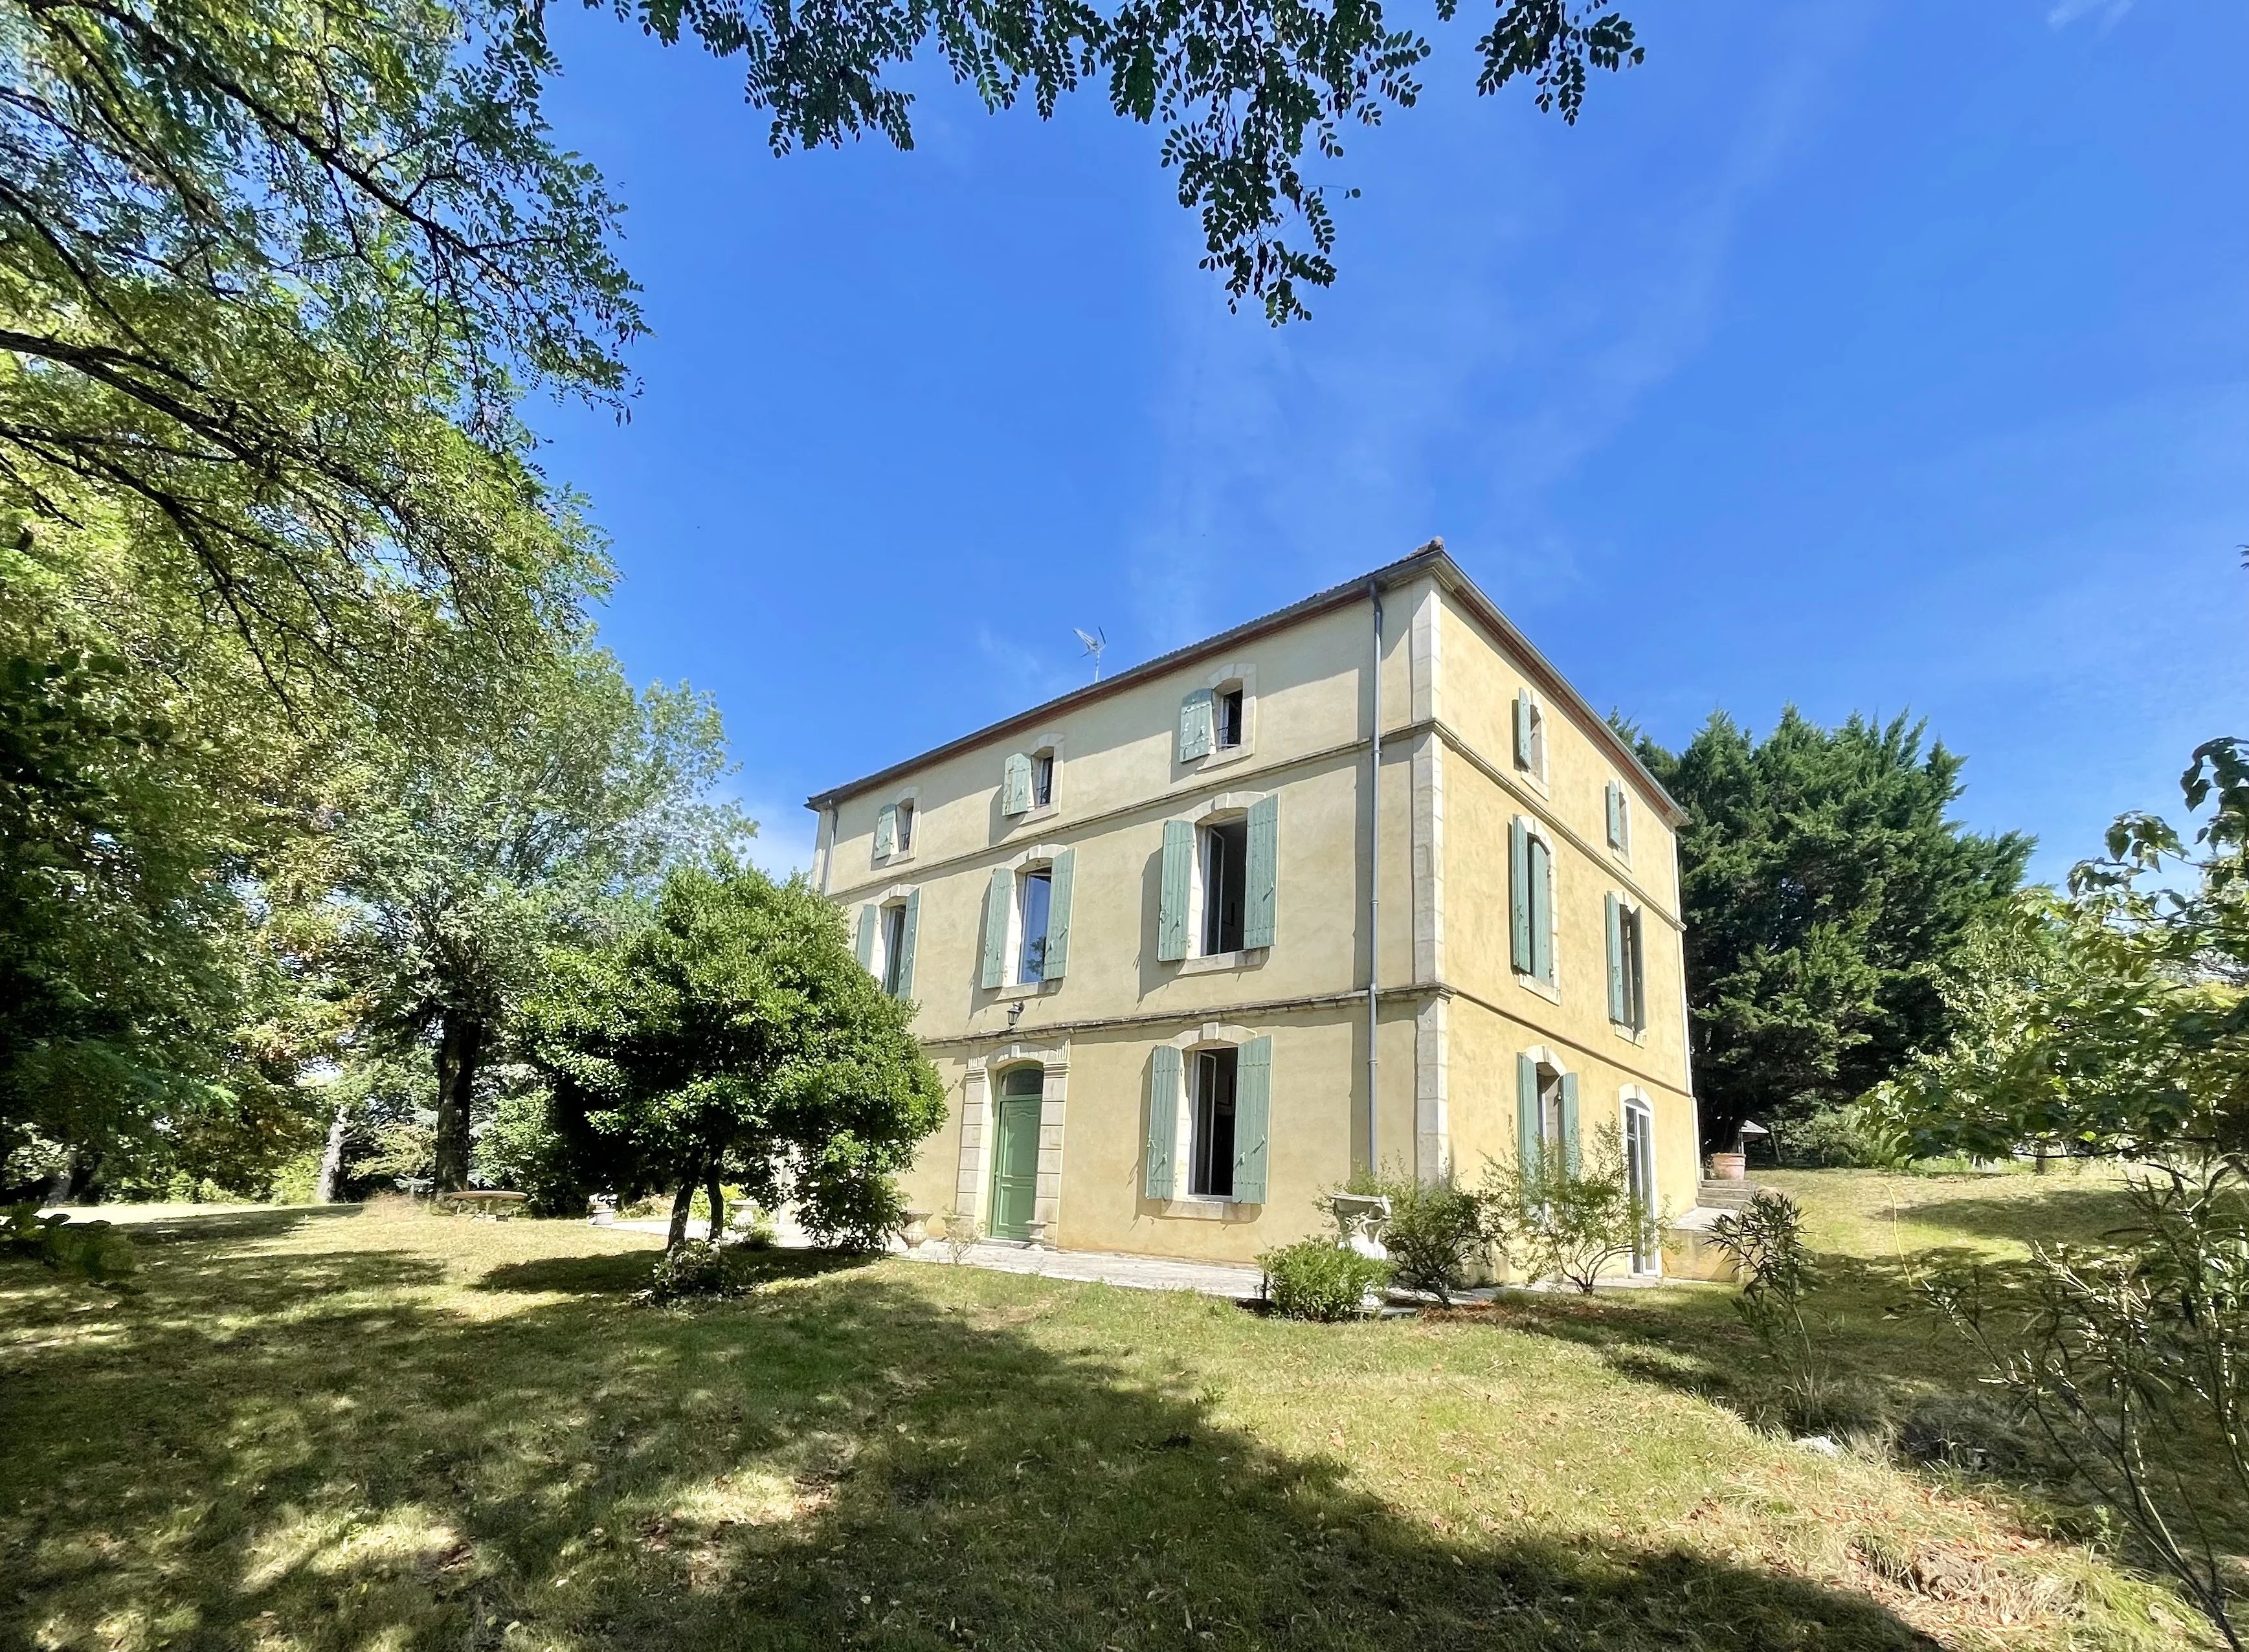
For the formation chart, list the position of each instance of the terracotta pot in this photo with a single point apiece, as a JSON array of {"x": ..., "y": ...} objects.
[{"x": 1729, "y": 1167}]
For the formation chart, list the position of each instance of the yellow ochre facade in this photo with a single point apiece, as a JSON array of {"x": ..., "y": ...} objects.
[{"x": 1136, "y": 922}]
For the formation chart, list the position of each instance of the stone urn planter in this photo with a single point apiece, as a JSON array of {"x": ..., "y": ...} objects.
[
  {"x": 1729, "y": 1167},
  {"x": 916, "y": 1232},
  {"x": 1034, "y": 1234}
]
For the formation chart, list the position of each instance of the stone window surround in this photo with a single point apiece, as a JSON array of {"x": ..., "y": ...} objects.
[
  {"x": 1047, "y": 739},
  {"x": 978, "y": 1117},
  {"x": 1536, "y": 778},
  {"x": 1629, "y": 1096},
  {"x": 1010, "y": 988},
  {"x": 1245, "y": 673},
  {"x": 1547, "y": 1062},
  {"x": 882, "y": 900},
  {"x": 1211, "y": 1034},
  {"x": 1199, "y": 963},
  {"x": 900, "y": 857},
  {"x": 1551, "y": 990}
]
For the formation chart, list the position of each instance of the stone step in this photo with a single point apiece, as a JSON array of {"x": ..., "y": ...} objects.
[{"x": 1725, "y": 1194}]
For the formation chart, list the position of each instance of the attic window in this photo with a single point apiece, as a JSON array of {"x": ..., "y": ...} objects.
[
  {"x": 905, "y": 827},
  {"x": 1043, "y": 778},
  {"x": 1229, "y": 717}
]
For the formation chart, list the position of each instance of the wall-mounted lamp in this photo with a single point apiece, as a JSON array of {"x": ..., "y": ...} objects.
[{"x": 1015, "y": 1014}]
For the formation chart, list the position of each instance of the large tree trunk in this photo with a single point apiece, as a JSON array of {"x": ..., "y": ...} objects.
[
  {"x": 683, "y": 1202},
  {"x": 461, "y": 1040},
  {"x": 332, "y": 1160},
  {"x": 718, "y": 1198}
]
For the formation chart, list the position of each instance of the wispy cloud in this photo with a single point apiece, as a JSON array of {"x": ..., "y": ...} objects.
[
  {"x": 2069, "y": 11},
  {"x": 1302, "y": 455}
]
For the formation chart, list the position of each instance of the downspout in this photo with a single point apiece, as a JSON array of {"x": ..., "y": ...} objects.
[{"x": 1373, "y": 884}]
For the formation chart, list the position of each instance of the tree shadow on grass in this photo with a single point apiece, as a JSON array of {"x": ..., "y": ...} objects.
[
  {"x": 2061, "y": 1215},
  {"x": 860, "y": 1459},
  {"x": 628, "y": 1271}
]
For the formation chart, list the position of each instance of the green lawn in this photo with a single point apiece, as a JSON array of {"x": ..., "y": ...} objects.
[{"x": 384, "y": 1429}]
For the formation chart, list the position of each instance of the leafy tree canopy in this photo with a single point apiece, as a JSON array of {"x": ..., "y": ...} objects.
[
  {"x": 736, "y": 1032},
  {"x": 2113, "y": 1020},
  {"x": 452, "y": 866},
  {"x": 1825, "y": 891}
]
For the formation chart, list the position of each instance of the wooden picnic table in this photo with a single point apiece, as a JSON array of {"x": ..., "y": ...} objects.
[{"x": 488, "y": 1201}]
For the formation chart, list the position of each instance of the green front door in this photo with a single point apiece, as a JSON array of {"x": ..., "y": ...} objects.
[{"x": 1015, "y": 1153}]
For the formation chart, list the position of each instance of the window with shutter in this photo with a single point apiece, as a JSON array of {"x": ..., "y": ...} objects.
[
  {"x": 1619, "y": 1004},
  {"x": 1253, "y": 1109},
  {"x": 909, "y": 926},
  {"x": 1261, "y": 879},
  {"x": 1542, "y": 909},
  {"x": 1195, "y": 731},
  {"x": 999, "y": 907},
  {"x": 1518, "y": 893},
  {"x": 1528, "y": 1133},
  {"x": 1213, "y": 1103},
  {"x": 1015, "y": 784},
  {"x": 1156, "y": 1173},
  {"x": 1178, "y": 872},
  {"x": 1062, "y": 875},
  {"x": 1568, "y": 1086}
]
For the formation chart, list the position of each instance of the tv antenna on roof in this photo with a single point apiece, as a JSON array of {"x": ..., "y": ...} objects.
[{"x": 1095, "y": 641}]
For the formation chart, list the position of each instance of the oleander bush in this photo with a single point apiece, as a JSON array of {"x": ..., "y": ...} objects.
[{"x": 1320, "y": 1279}]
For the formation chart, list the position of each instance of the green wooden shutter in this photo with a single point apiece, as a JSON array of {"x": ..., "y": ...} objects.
[
  {"x": 869, "y": 917},
  {"x": 998, "y": 909},
  {"x": 907, "y": 932},
  {"x": 1636, "y": 968},
  {"x": 1612, "y": 794},
  {"x": 1570, "y": 1122},
  {"x": 1253, "y": 1110},
  {"x": 1015, "y": 787},
  {"x": 1262, "y": 878},
  {"x": 1518, "y": 892},
  {"x": 1195, "y": 726},
  {"x": 1523, "y": 729},
  {"x": 1163, "y": 1122},
  {"x": 1060, "y": 875},
  {"x": 1172, "y": 912},
  {"x": 886, "y": 830},
  {"x": 1526, "y": 1114},
  {"x": 1620, "y": 1008},
  {"x": 1542, "y": 910}
]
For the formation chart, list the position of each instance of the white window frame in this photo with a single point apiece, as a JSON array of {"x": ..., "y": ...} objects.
[
  {"x": 1533, "y": 827},
  {"x": 1211, "y": 1034},
  {"x": 1018, "y": 935},
  {"x": 1038, "y": 856},
  {"x": 1219, "y": 811},
  {"x": 911, "y": 797},
  {"x": 1236, "y": 673},
  {"x": 1631, "y": 1099}
]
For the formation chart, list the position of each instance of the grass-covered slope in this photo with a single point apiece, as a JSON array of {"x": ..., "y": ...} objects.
[{"x": 385, "y": 1429}]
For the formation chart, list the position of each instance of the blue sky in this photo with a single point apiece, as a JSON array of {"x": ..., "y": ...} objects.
[{"x": 1870, "y": 356}]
